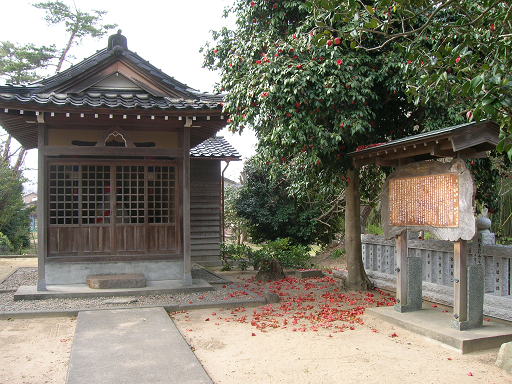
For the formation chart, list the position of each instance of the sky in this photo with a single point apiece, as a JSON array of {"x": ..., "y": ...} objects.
[{"x": 167, "y": 33}]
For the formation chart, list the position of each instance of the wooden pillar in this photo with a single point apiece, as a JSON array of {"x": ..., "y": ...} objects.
[
  {"x": 401, "y": 268},
  {"x": 42, "y": 209},
  {"x": 460, "y": 280},
  {"x": 187, "y": 258}
]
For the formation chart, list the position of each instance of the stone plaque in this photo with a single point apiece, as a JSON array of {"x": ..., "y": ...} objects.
[
  {"x": 426, "y": 200},
  {"x": 429, "y": 196}
]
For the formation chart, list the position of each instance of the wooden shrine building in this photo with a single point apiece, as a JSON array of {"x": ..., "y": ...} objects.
[{"x": 128, "y": 168}]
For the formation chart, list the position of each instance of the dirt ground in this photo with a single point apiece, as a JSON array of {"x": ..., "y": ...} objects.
[
  {"x": 35, "y": 350},
  {"x": 318, "y": 333}
]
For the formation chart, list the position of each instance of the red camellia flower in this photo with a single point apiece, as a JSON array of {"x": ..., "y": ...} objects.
[
  {"x": 264, "y": 94},
  {"x": 274, "y": 6},
  {"x": 297, "y": 104},
  {"x": 288, "y": 114},
  {"x": 409, "y": 61},
  {"x": 493, "y": 27},
  {"x": 457, "y": 59},
  {"x": 329, "y": 42},
  {"x": 339, "y": 62},
  {"x": 337, "y": 41},
  {"x": 253, "y": 3},
  {"x": 299, "y": 66}
]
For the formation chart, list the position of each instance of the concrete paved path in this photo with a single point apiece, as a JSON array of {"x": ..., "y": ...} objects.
[{"x": 131, "y": 346}]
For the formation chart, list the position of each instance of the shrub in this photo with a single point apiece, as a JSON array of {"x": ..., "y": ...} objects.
[
  {"x": 289, "y": 255},
  {"x": 5, "y": 244}
]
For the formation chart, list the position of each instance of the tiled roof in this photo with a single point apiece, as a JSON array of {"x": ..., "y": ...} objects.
[
  {"x": 216, "y": 147},
  {"x": 46, "y": 91},
  {"x": 105, "y": 99}
]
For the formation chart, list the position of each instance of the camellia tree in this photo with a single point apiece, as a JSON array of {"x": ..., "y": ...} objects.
[
  {"x": 456, "y": 50},
  {"x": 312, "y": 100}
]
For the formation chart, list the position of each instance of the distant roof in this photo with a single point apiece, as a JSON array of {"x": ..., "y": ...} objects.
[
  {"x": 470, "y": 140},
  {"x": 215, "y": 147}
]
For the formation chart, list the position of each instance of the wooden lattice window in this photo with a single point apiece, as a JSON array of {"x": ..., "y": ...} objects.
[
  {"x": 161, "y": 194},
  {"x": 64, "y": 194},
  {"x": 96, "y": 194},
  {"x": 91, "y": 194},
  {"x": 130, "y": 194}
]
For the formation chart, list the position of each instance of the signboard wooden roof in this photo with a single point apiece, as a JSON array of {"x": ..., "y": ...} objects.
[{"x": 471, "y": 140}]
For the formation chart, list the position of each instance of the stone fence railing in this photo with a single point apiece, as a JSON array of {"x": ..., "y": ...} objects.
[{"x": 379, "y": 257}]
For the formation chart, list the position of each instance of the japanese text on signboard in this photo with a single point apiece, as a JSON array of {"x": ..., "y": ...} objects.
[{"x": 426, "y": 200}]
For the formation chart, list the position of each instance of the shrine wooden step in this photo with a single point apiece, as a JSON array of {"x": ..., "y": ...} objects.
[{"x": 116, "y": 281}]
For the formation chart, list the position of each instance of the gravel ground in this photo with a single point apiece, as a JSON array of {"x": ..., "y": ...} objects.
[{"x": 224, "y": 291}]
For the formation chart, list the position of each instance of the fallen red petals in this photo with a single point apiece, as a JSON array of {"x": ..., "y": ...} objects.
[
  {"x": 394, "y": 335},
  {"x": 253, "y": 334},
  {"x": 434, "y": 305},
  {"x": 470, "y": 374},
  {"x": 63, "y": 340},
  {"x": 449, "y": 358},
  {"x": 207, "y": 319},
  {"x": 487, "y": 319}
]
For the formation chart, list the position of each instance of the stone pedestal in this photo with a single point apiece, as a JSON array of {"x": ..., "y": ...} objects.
[
  {"x": 413, "y": 300},
  {"x": 116, "y": 281},
  {"x": 475, "y": 301}
]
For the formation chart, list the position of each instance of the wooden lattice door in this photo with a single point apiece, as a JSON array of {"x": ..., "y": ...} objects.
[{"x": 115, "y": 209}]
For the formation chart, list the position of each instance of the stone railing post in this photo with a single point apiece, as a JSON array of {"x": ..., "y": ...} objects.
[{"x": 483, "y": 237}]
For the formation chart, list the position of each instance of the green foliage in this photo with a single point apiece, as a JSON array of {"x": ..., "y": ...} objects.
[
  {"x": 272, "y": 213},
  {"x": 18, "y": 229},
  {"x": 373, "y": 229},
  {"x": 310, "y": 100},
  {"x": 5, "y": 245},
  {"x": 14, "y": 217},
  {"x": 78, "y": 24},
  {"x": 232, "y": 220},
  {"x": 456, "y": 51},
  {"x": 240, "y": 253},
  {"x": 288, "y": 254},
  {"x": 336, "y": 254},
  {"x": 18, "y": 63}
]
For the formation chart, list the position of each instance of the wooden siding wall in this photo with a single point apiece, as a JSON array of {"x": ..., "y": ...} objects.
[{"x": 205, "y": 218}]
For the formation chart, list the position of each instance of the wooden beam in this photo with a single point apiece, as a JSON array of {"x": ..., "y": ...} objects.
[
  {"x": 112, "y": 151},
  {"x": 42, "y": 208},
  {"x": 401, "y": 268},
  {"x": 187, "y": 257},
  {"x": 460, "y": 280}
]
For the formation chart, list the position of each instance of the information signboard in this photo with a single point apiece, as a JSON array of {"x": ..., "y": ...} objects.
[
  {"x": 425, "y": 200},
  {"x": 430, "y": 196}
]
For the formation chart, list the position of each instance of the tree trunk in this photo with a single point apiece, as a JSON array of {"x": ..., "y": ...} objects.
[
  {"x": 7, "y": 149},
  {"x": 20, "y": 159},
  {"x": 65, "y": 52},
  {"x": 357, "y": 278}
]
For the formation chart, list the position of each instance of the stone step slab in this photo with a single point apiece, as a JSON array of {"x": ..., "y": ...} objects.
[{"x": 116, "y": 281}]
